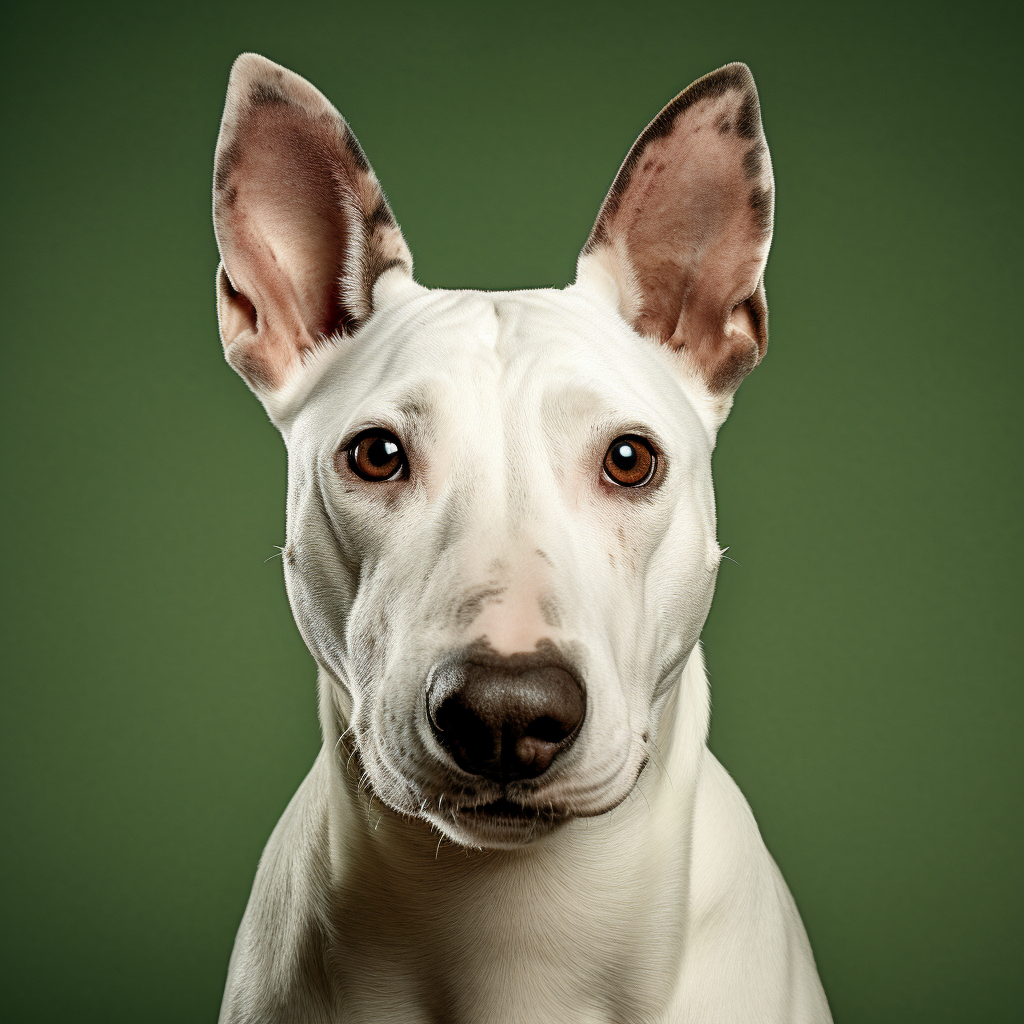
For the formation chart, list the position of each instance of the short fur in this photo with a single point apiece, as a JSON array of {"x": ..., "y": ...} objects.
[{"x": 634, "y": 886}]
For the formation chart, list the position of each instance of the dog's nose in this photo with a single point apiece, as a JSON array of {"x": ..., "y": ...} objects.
[{"x": 507, "y": 718}]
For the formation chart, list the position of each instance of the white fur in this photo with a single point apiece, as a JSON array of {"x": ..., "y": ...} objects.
[{"x": 378, "y": 898}]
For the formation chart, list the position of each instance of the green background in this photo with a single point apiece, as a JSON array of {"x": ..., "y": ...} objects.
[{"x": 158, "y": 704}]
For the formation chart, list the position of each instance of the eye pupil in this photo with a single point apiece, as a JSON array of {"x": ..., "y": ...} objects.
[
  {"x": 381, "y": 451},
  {"x": 625, "y": 456}
]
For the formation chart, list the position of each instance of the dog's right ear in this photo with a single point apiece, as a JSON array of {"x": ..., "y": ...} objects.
[{"x": 302, "y": 225}]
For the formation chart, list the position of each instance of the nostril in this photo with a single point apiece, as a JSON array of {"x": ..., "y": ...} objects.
[
  {"x": 549, "y": 729},
  {"x": 464, "y": 733}
]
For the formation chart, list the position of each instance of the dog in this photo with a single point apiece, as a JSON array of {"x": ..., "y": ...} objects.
[{"x": 501, "y": 552}]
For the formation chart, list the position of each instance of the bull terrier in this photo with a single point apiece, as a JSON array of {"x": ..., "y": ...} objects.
[{"x": 501, "y": 551}]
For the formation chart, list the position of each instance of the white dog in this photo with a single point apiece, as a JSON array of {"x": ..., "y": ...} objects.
[{"x": 501, "y": 552}]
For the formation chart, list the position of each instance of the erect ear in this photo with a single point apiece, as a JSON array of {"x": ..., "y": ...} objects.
[
  {"x": 303, "y": 227},
  {"x": 682, "y": 237}
]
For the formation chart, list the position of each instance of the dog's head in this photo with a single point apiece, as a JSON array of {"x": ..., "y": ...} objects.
[{"x": 501, "y": 531}]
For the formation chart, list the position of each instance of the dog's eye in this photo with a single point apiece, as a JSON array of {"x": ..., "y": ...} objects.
[
  {"x": 630, "y": 461},
  {"x": 376, "y": 455}
]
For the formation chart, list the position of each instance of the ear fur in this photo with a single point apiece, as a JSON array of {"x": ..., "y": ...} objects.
[
  {"x": 303, "y": 227},
  {"x": 682, "y": 238}
]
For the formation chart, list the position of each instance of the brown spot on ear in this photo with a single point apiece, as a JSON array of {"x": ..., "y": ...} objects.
[
  {"x": 225, "y": 164},
  {"x": 748, "y": 120},
  {"x": 385, "y": 265},
  {"x": 762, "y": 204},
  {"x": 753, "y": 162},
  {"x": 252, "y": 364},
  {"x": 732, "y": 362},
  {"x": 381, "y": 217},
  {"x": 266, "y": 93},
  {"x": 356, "y": 153}
]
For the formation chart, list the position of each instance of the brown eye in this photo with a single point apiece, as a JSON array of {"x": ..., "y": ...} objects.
[
  {"x": 630, "y": 461},
  {"x": 376, "y": 455}
]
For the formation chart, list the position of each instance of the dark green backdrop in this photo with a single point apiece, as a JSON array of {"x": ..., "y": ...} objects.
[{"x": 865, "y": 652}]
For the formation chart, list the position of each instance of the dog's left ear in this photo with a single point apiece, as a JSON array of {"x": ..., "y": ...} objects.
[{"x": 682, "y": 237}]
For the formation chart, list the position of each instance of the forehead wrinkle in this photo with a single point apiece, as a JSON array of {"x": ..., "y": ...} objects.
[{"x": 539, "y": 388}]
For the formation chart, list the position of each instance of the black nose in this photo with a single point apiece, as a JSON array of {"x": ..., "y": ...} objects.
[{"x": 505, "y": 717}]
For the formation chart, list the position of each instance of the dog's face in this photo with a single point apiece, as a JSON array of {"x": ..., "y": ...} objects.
[
  {"x": 499, "y": 526},
  {"x": 501, "y": 533}
]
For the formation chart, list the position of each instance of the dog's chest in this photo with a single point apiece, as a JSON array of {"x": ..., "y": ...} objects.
[{"x": 505, "y": 946}]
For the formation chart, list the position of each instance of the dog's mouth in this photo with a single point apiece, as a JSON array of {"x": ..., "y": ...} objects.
[
  {"x": 497, "y": 814},
  {"x": 505, "y": 808},
  {"x": 507, "y": 823},
  {"x": 499, "y": 823}
]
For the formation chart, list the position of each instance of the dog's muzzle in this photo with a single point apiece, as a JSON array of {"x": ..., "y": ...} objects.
[{"x": 505, "y": 717}]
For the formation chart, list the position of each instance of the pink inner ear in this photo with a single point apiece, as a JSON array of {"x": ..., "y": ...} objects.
[
  {"x": 693, "y": 205},
  {"x": 742, "y": 319},
  {"x": 285, "y": 219},
  {"x": 282, "y": 228},
  {"x": 303, "y": 227}
]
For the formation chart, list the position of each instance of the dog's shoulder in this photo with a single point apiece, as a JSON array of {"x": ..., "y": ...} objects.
[
  {"x": 746, "y": 935},
  {"x": 279, "y": 964}
]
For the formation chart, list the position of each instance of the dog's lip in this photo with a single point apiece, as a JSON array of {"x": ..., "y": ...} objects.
[
  {"x": 503, "y": 823},
  {"x": 507, "y": 809}
]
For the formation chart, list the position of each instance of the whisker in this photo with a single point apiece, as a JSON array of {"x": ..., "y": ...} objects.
[
  {"x": 659, "y": 761},
  {"x": 644, "y": 795}
]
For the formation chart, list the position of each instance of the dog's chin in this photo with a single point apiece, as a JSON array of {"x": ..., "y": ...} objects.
[
  {"x": 503, "y": 822},
  {"x": 501, "y": 825}
]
